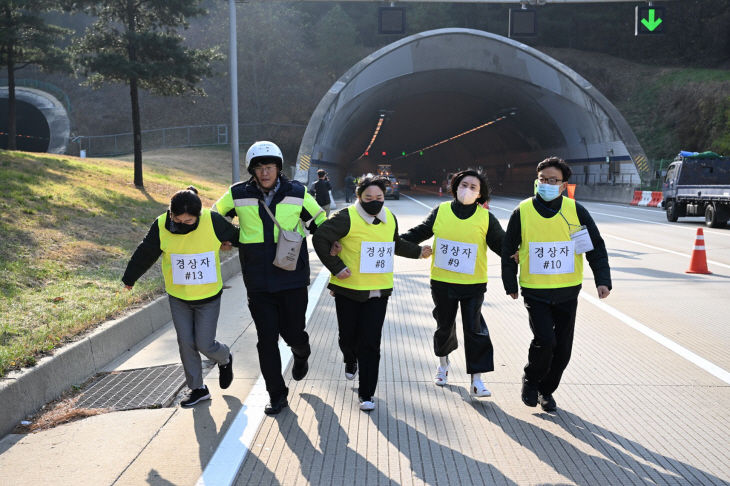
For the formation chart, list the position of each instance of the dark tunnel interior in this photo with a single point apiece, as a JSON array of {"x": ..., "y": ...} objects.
[
  {"x": 423, "y": 109},
  {"x": 31, "y": 127}
]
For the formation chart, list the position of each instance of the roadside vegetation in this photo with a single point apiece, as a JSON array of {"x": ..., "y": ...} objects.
[{"x": 68, "y": 228}]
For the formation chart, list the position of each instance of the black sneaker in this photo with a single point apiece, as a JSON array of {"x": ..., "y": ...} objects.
[
  {"x": 196, "y": 396},
  {"x": 275, "y": 405},
  {"x": 299, "y": 369},
  {"x": 547, "y": 402},
  {"x": 350, "y": 370},
  {"x": 225, "y": 373},
  {"x": 529, "y": 393}
]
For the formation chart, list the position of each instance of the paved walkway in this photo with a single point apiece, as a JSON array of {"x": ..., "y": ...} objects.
[{"x": 631, "y": 411}]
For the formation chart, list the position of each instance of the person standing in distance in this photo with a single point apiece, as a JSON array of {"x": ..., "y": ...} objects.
[
  {"x": 322, "y": 190},
  {"x": 362, "y": 278},
  {"x": 188, "y": 238},
  {"x": 463, "y": 231},
  {"x": 277, "y": 298},
  {"x": 349, "y": 187},
  {"x": 552, "y": 233}
]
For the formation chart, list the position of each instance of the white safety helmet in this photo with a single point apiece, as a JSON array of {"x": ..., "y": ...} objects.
[{"x": 268, "y": 150}]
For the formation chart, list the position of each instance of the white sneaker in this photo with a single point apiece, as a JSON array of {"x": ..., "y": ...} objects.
[
  {"x": 479, "y": 390},
  {"x": 442, "y": 375},
  {"x": 367, "y": 405},
  {"x": 350, "y": 371}
]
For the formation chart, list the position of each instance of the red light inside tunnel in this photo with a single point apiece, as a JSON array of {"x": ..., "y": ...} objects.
[{"x": 383, "y": 153}]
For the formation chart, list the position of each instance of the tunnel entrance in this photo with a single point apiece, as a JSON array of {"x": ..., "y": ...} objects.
[
  {"x": 33, "y": 131},
  {"x": 449, "y": 99}
]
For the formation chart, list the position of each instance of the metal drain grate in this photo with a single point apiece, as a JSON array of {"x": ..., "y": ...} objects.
[{"x": 142, "y": 388}]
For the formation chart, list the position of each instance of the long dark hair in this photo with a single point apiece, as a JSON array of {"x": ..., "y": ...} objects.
[
  {"x": 186, "y": 201},
  {"x": 484, "y": 188}
]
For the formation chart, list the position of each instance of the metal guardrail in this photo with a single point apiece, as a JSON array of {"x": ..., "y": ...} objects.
[
  {"x": 57, "y": 92},
  {"x": 162, "y": 138}
]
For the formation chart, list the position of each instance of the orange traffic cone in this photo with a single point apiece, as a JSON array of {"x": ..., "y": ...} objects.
[
  {"x": 698, "y": 263},
  {"x": 440, "y": 193}
]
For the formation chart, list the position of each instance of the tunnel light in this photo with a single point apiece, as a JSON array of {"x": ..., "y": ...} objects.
[
  {"x": 375, "y": 135},
  {"x": 420, "y": 151}
]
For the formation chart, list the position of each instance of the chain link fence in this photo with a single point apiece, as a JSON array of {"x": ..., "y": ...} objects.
[{"x": 163, "y": 138}]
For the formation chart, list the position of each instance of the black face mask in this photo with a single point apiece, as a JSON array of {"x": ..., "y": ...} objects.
[
  {"x": 182, "y": 228},
  {"x": 372, "y": 207}
]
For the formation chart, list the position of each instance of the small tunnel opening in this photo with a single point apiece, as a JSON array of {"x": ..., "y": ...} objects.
[{"x": 33, "y": 131}]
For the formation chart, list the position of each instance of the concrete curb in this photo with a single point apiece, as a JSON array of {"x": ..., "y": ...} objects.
[{"x": 22, "y": 393}]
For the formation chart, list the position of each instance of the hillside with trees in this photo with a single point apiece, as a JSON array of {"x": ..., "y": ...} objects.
[{"x": 674, "y": 90}]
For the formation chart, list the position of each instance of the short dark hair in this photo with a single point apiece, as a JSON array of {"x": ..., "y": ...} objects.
[
  {"x": 556, "y": 162},
  {"x": 321, "y": 173},
  {"x": 186, "y": 201},
  {"x": 484, "y": 188},
  {"x": 366, "y": 182}
]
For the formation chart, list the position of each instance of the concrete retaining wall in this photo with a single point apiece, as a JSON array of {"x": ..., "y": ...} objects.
[{"x": 24, "y": 392}]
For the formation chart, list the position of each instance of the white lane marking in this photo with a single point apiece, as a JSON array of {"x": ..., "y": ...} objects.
[
  {"x": 662, "y": 249},
  {"x": 666, "y": 342},
  {"x": 419, "y": 202},
  {"x": 232, "y": 450},
  {"x": 639, "y": 220},
  {"x": 660, "y": 224}
]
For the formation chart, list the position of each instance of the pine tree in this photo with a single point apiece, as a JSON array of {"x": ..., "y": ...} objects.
[
  {"x": 26, "y": 39},
  {"x": 135, "y": 42}
]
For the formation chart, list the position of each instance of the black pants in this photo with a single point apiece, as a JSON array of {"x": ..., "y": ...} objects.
[
  {"x": 553, "y": 326},
  {"x": 477, "y": 342},
  {"x": 349, "y": 192},
  {"x": 279, "y": 314},
  {"x": 361, "y": 330}
]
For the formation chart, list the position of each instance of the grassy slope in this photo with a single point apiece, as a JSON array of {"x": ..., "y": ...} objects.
[{"x": 68, "y": 228}]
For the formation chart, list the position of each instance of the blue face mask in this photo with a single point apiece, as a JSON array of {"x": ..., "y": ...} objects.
[{"x": 547, "y": 192}]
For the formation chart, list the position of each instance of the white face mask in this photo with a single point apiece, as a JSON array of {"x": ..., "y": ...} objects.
[{"x": 466, "y": 196}]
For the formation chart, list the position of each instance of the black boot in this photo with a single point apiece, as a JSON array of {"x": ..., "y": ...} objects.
[
  {"x": 277, "y": 403},
  {"x": 529, "y": 393}
]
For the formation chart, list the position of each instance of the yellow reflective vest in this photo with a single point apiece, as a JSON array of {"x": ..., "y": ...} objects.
[
  {"x": 191, "y": 263},
  {"x": 352, "y": 245},
  {"x": 536, "y": 229},
  {"x": 449, "y": 231}
]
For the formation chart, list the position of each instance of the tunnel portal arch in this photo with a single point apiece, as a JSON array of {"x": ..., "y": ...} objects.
[
  {"x": 437, "y": 84},
  {"x": 55, "y": 123}
]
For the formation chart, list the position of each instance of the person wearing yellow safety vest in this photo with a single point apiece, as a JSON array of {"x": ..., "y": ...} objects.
[
  {"x": 362, "y": 278},
  {"x": 277, "y": 298},
  {"x": 463, "y": 230},
  {"x": 188, "y": 238},
  {"x": 552, "y": 233}
]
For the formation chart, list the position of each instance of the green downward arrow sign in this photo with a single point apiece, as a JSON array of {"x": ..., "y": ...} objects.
[{"x": 651, "y": 24}]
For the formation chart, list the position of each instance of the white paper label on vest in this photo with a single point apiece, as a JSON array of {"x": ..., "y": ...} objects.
[
  {"x": 377, "y": 257},
  {"x": 456, "y": 256},
  {"x": 195, "y": 269},
  {"x": 582, "y": 241},
  {"x": 551, "y": 258}
]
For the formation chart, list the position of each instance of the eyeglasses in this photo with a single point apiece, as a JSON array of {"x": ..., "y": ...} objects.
[
  {"x": 552, "y": 182},
  {"x": 265, "y": 168}
]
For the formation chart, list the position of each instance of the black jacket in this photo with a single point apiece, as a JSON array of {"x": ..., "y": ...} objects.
[
  {"x": 149, "y": 250},
  {"x": 424, "y": 231},
  {"x": 597, "y": 258},
  {"x": 336, "y": 228},
  {"x": 322, "y": 190},
  {"x": 259, "y": 272}
]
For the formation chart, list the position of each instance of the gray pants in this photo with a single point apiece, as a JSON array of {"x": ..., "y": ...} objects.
[
  {"x": 326, "y": 208},
  {"x": 196, "y": 325}
]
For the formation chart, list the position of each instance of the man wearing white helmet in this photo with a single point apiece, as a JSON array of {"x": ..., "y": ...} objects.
[{"x": 277, "y": 298}]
